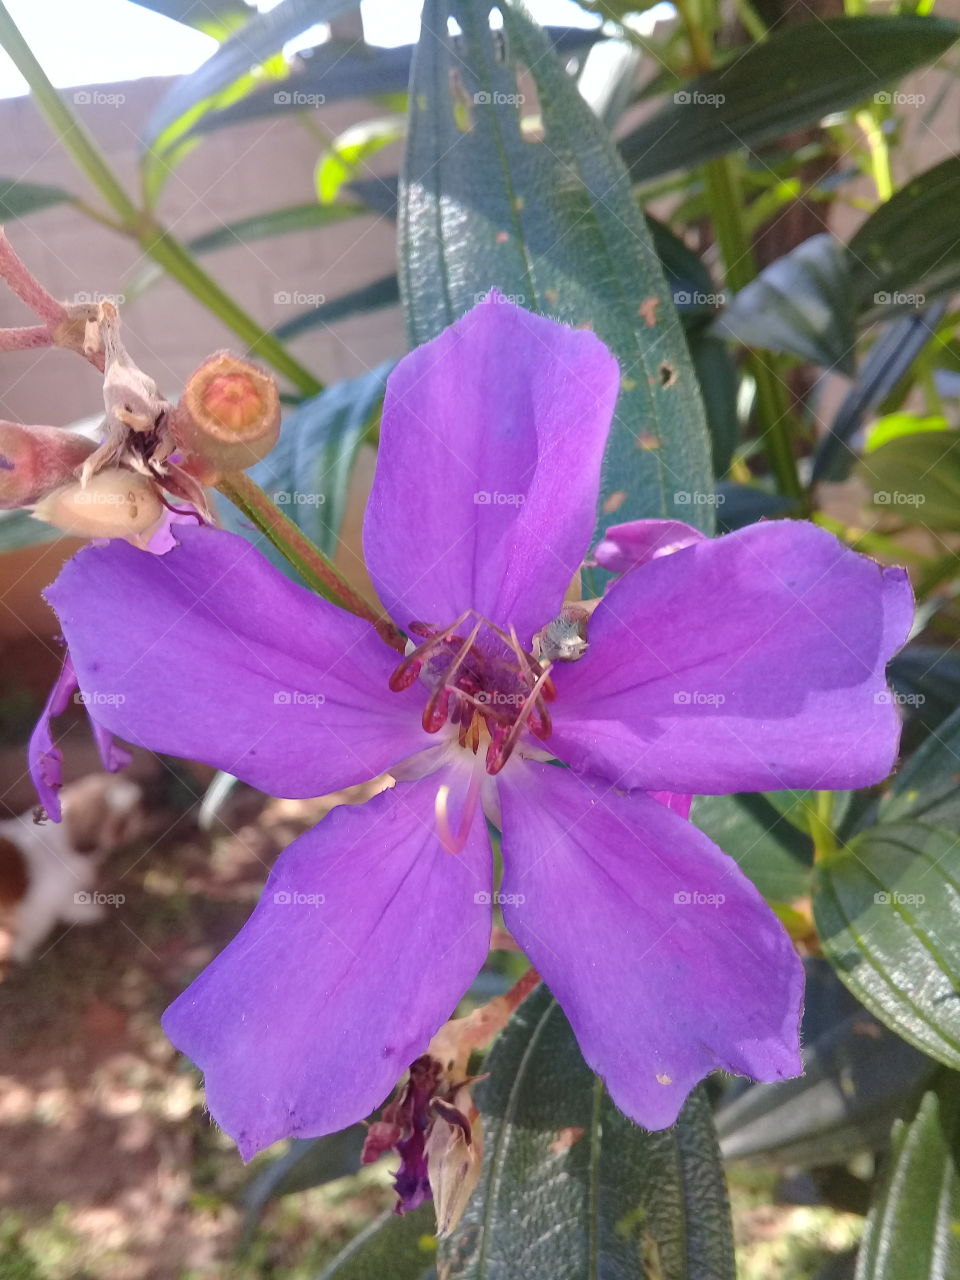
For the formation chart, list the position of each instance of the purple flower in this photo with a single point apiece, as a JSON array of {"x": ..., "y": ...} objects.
[{"x": 753, "y": 661}]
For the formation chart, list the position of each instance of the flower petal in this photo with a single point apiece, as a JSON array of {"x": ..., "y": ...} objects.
[
  {"x": 626, "y": 546},
  {"x": 752, "y": 662},
  {"x": 44, "y": 757},
  {"x": 210, "y": 653},
  {"x": 665, "y": 958},
  {"x": 367, "y": 935},
  {"x": 488, "y": 470}
]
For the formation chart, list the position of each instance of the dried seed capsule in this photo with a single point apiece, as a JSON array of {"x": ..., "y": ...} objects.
[{"x": 229, "y": 413}]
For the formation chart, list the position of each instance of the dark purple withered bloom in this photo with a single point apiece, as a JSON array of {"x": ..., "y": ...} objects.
[{"x": 753, "y": 661}]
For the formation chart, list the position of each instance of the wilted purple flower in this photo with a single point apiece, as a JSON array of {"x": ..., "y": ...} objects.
[{"x": 750, "y": 662}]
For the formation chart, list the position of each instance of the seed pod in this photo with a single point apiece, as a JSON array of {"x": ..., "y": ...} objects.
[
  {"x": 114, "y": 503},
  {"x": 36, "y": 460},
  {"x": 229, "y": 413}
]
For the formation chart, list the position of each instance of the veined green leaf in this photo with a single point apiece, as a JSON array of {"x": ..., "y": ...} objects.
[
  {"x": 553, "y": 224},
  {"x": 798, "y": 76}
]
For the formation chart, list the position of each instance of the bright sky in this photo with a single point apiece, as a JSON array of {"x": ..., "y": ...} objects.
[{"x": 99, "y": 41}]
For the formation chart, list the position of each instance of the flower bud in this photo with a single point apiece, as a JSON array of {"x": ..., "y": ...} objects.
[
  {"x": 114, "y": 503},
  {"x": 36, "y": 460},
  {"x": 229, "y": 413}
]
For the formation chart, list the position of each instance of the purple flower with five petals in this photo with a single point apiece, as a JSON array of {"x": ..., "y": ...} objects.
[{"x": 753, "y": 661}]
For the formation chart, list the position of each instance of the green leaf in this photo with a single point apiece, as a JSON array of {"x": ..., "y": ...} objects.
[
  {"x": 767, "y": 846},
  {"x": 917, "y": 478},
  {"x": 572, "y": 1187},
  {"x": 258, "y": 226},
  {"x": 19, "y": 529},
  {"x": 795, "y": 78},
  {"x": 553, "y": 223},
  {"x": 909, "y": 245},
  {"x": 858, "y": 1076},
  {"x": 887, "y": 362},
  {"x": 17, "y": 199},
  {"x": 895, "y": 425},
  {"x": 912, "y": 1227},
  {"x": 927, "y": 788},
  {"x": 308, "y": 1163},
  {"x": 384, "y": 292},
  {"x": 308, "y": 473},
  {"x": 398, "y": 1248},
  {"x": 800, "y": 305},
  {"x": 350, "y": 151},
  {"x": 887, "y": 908},
  {"x": 719, "y": 386},
  {"x": 264, "y": 35}
]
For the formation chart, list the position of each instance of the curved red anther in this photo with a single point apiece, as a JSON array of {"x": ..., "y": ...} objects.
[
  {"x": 497, "y": 755},
  {"x": 406, "y": 674},
  {"x": 540, "y": 723},
  {"x": 437, "y": 710}
]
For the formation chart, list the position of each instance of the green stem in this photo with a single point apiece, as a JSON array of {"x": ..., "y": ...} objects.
[
  {"x": 297, "y": 549},
  {"x": 820, "y": 826},
  {"x": 773, "y": 410},
  {"x": 155, "y": 241}
]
